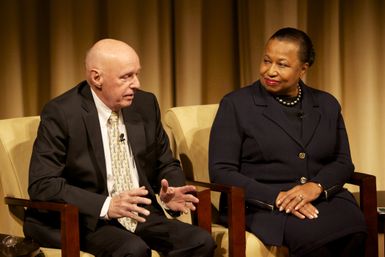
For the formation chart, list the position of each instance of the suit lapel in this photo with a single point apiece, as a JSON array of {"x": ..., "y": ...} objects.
[
  {"x": 137, "y": 140},
  {"x": 91, "y": 121},
  {"x": 135, "y": 130}
]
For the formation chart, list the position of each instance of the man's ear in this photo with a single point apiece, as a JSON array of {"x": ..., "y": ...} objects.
[{"x": 96, "y": 78}]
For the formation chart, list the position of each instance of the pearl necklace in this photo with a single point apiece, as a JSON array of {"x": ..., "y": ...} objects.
[{"x": 292, "y": 103}]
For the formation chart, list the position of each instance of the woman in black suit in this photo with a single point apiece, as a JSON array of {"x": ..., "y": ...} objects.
[{"x": 286, "y": 144}]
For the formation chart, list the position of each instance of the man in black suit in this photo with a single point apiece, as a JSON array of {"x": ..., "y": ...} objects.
[{"x": 72, "y": 162}]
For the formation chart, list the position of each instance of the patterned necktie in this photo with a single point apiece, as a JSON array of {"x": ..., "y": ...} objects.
[{"x": 119, "y": 165}]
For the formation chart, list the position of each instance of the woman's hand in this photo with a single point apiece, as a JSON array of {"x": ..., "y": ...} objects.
[
  {"x": 296, "y": 200},
  {"x": 306, "y": 211}
]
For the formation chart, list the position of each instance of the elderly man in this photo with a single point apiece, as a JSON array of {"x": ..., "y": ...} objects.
[{"x": 101, "y": 147}]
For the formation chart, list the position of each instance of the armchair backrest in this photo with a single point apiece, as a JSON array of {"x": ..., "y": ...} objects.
[
  {"x": 16, "y": 140},
  {"x": 190, "y": 128}
]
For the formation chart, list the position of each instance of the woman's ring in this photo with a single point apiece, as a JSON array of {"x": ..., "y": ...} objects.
[{"x": 300, "y": 197}]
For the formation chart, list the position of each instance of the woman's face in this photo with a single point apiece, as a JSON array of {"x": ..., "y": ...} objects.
[{"x": 281, "y": 68}]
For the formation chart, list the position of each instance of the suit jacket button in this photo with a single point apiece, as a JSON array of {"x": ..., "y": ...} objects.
[
  {"x": 302, "y": 155},
  {"x": 303, "y": 180}
]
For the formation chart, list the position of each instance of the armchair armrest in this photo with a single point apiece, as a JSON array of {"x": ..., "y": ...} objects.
[
  {"x": 203, "y": 216},
  {"x": 69, "y": 217},
  {"x": 368, "y": 204},
  {"x": 236, "y": 214}
]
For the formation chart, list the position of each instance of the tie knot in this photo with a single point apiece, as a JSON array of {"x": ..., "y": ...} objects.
[{"x": 114, "y": 117}]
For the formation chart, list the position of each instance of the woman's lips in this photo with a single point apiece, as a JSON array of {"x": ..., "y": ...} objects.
[{"x": 271, "y": 82}]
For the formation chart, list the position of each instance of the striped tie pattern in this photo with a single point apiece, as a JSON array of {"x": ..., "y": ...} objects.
[{"x": 119, "y": 166}]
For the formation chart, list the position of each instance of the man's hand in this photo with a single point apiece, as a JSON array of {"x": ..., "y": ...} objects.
[
  {"x": 178, "y": 198},
  {"x": 126, "y": 203}
]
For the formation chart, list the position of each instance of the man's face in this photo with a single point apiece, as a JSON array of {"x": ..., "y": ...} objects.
[{"x": 120, "y": 80}]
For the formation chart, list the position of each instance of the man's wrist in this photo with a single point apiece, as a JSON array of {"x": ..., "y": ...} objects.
[
  {"x": 105, "y": 208},
  {"x": 172, "y": 213}
]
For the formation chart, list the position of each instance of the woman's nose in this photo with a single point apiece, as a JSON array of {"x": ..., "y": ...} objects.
[{"x": 272, "y": 71}]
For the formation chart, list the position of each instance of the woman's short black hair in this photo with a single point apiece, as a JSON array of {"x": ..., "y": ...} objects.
[{"x": 307, "y": 53}]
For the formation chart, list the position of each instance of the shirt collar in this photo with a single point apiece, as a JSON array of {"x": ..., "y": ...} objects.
[{"x": 103, "y": 111}]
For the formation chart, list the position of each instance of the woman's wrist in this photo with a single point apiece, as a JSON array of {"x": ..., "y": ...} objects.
[{"x": 320, "y": 188}]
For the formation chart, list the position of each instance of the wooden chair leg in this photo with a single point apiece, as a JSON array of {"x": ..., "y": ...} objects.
[{"x": 368, "y": 204}]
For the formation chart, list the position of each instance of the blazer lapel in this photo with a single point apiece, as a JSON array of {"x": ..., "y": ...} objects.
[
  {"x": 91, "y": 121},
  {"x": 274, "y": 112},
  {"x": 311, "y": 118},
  {"x": 312, "y": 115}
]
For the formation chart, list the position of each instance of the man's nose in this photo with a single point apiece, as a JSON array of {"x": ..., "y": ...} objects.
[{"x": 135, "y": 83}]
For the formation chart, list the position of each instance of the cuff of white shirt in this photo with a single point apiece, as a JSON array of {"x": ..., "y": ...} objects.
[{"x": 105, "y": 207}]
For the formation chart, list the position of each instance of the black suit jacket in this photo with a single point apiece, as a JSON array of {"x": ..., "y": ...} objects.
[
  {"x": 68, "y": 163},
  {"x": 254, "y": 145}
]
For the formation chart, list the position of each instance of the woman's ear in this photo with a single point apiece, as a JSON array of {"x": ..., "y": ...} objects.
[
  {"x": 96, "y": 78},
  {"x": 304, "y": 68}
]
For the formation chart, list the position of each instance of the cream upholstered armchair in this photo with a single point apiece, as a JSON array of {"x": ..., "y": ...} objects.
[
  {"x": 16, "y": 139},
  {"x": 189, "y": 127}
]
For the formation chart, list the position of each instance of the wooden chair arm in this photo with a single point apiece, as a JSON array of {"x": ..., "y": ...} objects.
[
  {"x": 69, "y": 218},
  {"x": 203, "y": 215},
  {"x": 236, "y": 214},
  {"x": 368, "y": 204}
]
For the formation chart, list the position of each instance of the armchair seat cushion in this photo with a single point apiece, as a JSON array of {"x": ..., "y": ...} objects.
[
  {"x": 52, "y": 252},
  {"x": 254, "y": 246}
]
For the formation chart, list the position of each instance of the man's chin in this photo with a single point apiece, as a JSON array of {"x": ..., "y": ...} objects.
[{"x": 126, "y": 103}]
